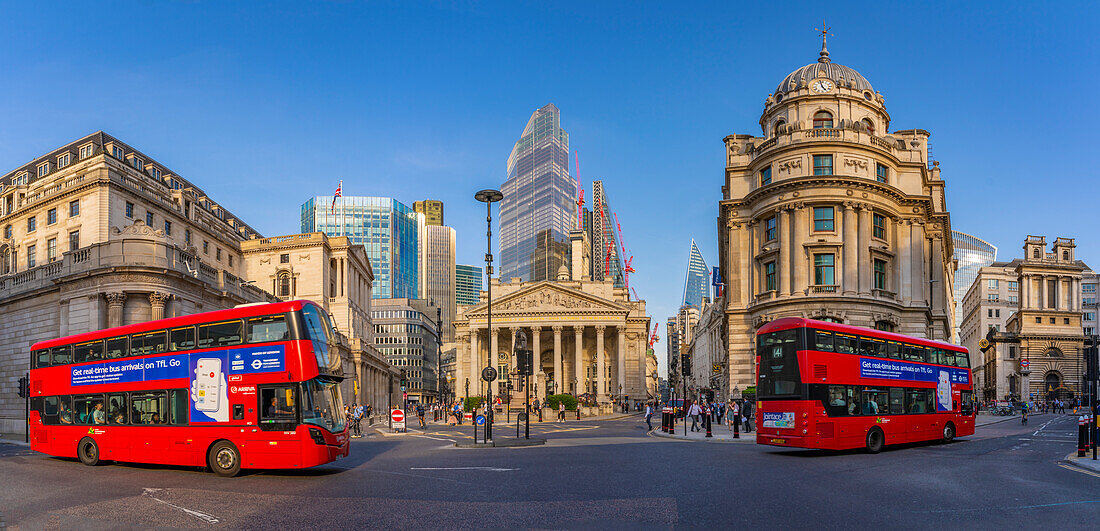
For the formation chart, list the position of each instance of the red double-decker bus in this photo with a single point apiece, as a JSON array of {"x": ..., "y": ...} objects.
[
  {"x": 255, "y": 386},
  {"x": 830, "y": 386}
]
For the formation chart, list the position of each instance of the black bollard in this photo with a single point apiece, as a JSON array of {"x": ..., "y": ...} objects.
[
  {"x": 737, "y": 426},
  {"x": 1082, "y": 436},
  {"x": 709, "y": 434},
  {"x": 578, "y": 412}
]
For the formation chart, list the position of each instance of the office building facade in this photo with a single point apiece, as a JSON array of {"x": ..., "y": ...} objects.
[
  {"x": 437, "y": 267},
  {"x": 697, "y": 280},
  {"x": 406, "y": 332},
  {"x": 468, "y": 282},
  {"x": 432, "y": 210},
  {"x": 387, "y": 229},
  {"x": 538, "y": 208}
]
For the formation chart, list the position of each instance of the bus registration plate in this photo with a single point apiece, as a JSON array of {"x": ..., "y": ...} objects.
[{"x": 783, "y": 419}]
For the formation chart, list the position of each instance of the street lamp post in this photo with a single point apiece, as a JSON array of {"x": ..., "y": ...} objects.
[{"x": 489, "y": 197}]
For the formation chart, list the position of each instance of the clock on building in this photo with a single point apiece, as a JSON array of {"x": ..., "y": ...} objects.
[{"x": 822, "y": 86}]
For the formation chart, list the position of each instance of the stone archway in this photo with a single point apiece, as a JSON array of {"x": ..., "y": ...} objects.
[{"x": 1054, "y": 386}]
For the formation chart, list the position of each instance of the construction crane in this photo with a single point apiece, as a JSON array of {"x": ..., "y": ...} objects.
[
  {"x": 653, "y": 339},
  {"x": 580, "y": 198},
  {"x": 627, "y": 267}
]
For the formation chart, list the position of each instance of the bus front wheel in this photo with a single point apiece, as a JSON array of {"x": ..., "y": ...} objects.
[
  {"x": 88, "y": 451},
  {"x": 948, "y": 432},
  {"x": 224, "y": 459},
  {"x": 875, "y": 440}
]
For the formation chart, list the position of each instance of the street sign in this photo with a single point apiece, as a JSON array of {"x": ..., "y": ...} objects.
[
  {"x": 1024, "y": 363},
  {"x": 488, "y": 374},
  {"x": 402, "y": 388},
  {"x": 480, "y": 420},
  {"x": 398, "y": 418}
]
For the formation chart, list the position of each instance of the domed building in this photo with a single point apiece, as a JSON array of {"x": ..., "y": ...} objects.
[{"x": 829, "y": 214}]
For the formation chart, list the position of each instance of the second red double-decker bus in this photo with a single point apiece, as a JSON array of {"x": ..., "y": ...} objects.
[
  {"x": 255, "y": 386},
  {"x": 830, "y": 386}
]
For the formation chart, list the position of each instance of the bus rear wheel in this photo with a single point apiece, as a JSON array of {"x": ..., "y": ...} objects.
[
  {"x": 88, "y": 451},
  {"x": 875, "y": 440},
  {"x": 948, "y": 432},
  {"x": 224, "y": 459}
]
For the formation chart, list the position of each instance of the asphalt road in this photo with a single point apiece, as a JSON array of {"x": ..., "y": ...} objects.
[{"x": 604, "y": 475}]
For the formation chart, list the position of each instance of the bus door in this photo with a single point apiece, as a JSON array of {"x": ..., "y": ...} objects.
[
  {"x": 148, "y": 415},
  {"x": 278, "y": 414}
]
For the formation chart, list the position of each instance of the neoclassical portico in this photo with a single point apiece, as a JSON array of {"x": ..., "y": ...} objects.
[{"x": 587, "y": 336}]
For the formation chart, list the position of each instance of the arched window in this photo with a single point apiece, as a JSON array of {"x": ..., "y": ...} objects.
[
  {"x": 284, "y": 284},
  {"x": 885, "y": 326},
  {"x": 869, "y": 125},
  {"x": 1054, "y": 353},
  {"x": 1035, "y": 253},
  {"x": 823, "y": 120},
  {"x": 775, "y": 128},
  {"x": 1065, "y": 255}
]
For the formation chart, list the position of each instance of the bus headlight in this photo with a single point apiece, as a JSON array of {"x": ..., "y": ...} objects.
[{"x": 317, "y": 436}]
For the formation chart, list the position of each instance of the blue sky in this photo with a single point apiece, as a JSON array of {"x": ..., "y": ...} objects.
[{"x": 264, "y": 104}]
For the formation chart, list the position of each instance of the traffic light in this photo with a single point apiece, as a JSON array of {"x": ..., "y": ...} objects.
[
  {"x": 404, "y": 380},
  {"x": 24, "y": 387},
  {"x": 685, "y": 364}
]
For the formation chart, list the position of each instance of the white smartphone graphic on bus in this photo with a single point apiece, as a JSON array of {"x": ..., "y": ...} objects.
[{"x": 208, "y": 381}]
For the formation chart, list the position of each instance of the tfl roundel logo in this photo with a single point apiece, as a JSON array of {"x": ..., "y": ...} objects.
[{"x": 256, "y": 364}]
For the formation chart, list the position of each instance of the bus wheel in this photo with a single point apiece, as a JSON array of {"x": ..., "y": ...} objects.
[
  {"x": 948, "y": 432},
  {"x": 88, "y": 451},
  {"x": 224, "y": 459},
  {"x": 875, "y": 440}
]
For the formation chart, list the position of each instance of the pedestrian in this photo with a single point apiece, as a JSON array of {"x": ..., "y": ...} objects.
[
  {"x": 420, "y": 414},
  {"x": 735, "y": 413},
  {"x": 1023, "y": 413},
  {"x": 721, "y": 406},
  {"x": 649, "y": 416},
  {"x": 370, "y": 416},
  {"x": 746, "y": 415},
  {"x": 694, "y": 412},
  {"x": 561, "y": 411}
]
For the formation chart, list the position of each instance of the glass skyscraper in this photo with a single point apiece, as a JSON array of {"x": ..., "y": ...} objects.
[
  {"x": 973, "y": 253},
  {"x": 388, "y": 230},
  {"x": 467, "y": 284},
  {"x": 696, "y": 286},
  {"x": 538, "y": 208}
]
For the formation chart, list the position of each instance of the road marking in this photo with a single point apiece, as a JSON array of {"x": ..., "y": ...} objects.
[
  {"x": 1045, "y": 439},
  {"x": 485, "y": 468},
  {"x": 201, "y": 516},
  {"x": 433, "y": 438},
  {"x": 1081, "y": 470},
  {"x": 1044, "y": 426}
]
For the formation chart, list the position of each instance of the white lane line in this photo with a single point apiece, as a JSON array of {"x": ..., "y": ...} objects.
[
  {"x": 433, "y": 438},
  {"x": 201, "y": 516},
  {"x": 1045, "y": 439},
  {"x": 485, "y": 468},
  {"x": 1044, "y": 425}
]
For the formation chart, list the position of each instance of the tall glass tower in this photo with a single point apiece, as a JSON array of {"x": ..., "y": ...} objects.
[
  {"x": 388, "y": 230},
  {"x": 973, "y": 253},
  {"x": 698, "y": 277},
  {"x": 537, "y": 211}
]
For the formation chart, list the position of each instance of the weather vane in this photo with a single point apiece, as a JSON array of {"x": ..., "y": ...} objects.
[{"x": 824, "y": 34}]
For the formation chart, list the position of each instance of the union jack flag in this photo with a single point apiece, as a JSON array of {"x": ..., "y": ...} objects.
[{"x": 339, "y": 189}]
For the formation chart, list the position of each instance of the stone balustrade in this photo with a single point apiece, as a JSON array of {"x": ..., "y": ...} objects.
[{"x": 887, "y": 143}]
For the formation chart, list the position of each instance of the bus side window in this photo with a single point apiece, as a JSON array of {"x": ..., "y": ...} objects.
[
  {"x": 915, "y": 401},
  {"x": 149, "y": 408},
  {"x": 897, "y": 401},
  {"x": 267, "y": 328},
  {"x": 181, "y": 338},
  {"x": 49, "y": 410},
  {"x": 62, "y": 355},
  {"x": 86, "y": 410},
  {"x": 893, "y": 350},
  {"x": 837, "y": 401},
  {"x": 117, "y": 412},
  {"x": 967, "y": 398},
  {"x": 149, "y": 343},
  {"x": 178, "y": 406},
  {"x": 845, "y": 344},
  {"x": 42, "y": 358},
  {"x": 90, "y": 351},
  {"x": 948, "y": 357},
  {"x": 873, "y": 347},
  {"x": 116, "y": 348},
  {"x": 823, "y": 341},
  {"x": 278, "y": 407},
  {"x": 220, "y": 334},
  {"x": 962, "y": 359}
]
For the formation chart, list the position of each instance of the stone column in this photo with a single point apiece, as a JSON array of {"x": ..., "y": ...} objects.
[
  {"x": 493, "y": 351},
  {"x": 1041, "y": 292},
  {"x": 578, "y": 357},
  {"x": 1025, "y": 292},
  {"x": 783, "y": 268},
  {"x": 866, "y": 269},
  {"x": 536, "y": 349},
  {"x": 156, "y": 301},
  {"x": 748, "y": 283},
  {"x": 620, "y": 358},
  {"x": 920, "y": 262},
  {"x": 937, "y": 287},
  {"x": 510, "y": 347},
  {"x": 601, "y": 367},
  {"x": 851, "y": 247},
  {"x": 798, "y": 250},
  {"x": 905, "y": 260},
  {"x": 557, "y": 360},
  {"x": 115, "y": 301},
  {"x": 474, "y": 365}
]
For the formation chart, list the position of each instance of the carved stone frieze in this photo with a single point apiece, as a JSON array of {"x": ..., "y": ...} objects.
[
  {"x": 788, "y": 166},
  {"x": 544, "y": 299}
]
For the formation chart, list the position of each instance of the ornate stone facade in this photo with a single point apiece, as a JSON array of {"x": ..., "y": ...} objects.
[
  {"x": 827, "y": 215},
  {"x": 588, "y": 336}
]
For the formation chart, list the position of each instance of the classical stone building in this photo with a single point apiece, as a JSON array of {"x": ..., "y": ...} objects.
[
  {"x": 830, "y": 214},
  {"x": 97, "y": 234},
  {"x": 588, "y": 336},
  {"x": 1045, "y": 325},
  {"x": 708, "y": 353},
  {"x": 337, "y": 275},
  {"x": 651, "y": 374},
  {"x": 993, "y": 297}
]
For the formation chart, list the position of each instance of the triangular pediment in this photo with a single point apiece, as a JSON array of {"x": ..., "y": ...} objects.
[{"x": 548, "y": 297}]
